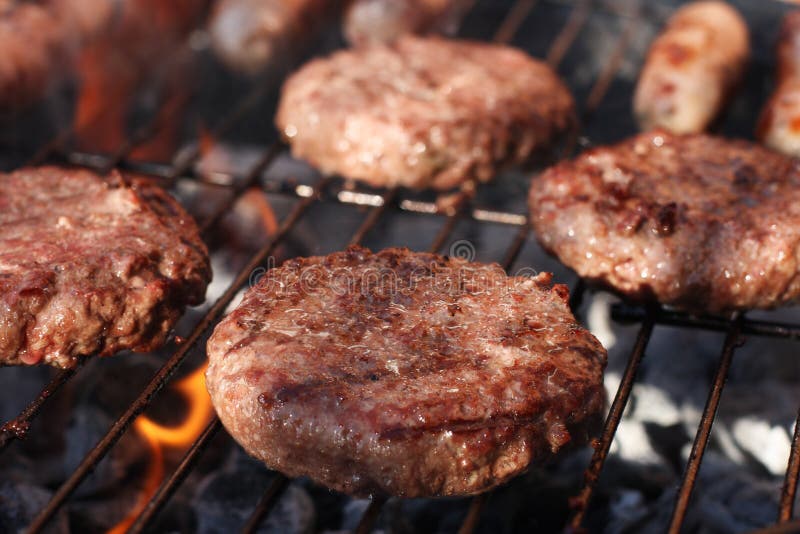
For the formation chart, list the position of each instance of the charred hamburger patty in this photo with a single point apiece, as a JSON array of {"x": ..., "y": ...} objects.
[
  {"x": 423, "y": 112},
  {"x": 696, "y": 221},
  {"x": 91, "y": 265},
  {"x": 404, "y": 373}
]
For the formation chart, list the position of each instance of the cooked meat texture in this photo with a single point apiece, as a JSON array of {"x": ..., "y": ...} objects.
[
  {"x": 404, "y": 373},
  {"x": 250, "y": 35},
  {"x": 423, "y": 112},
  {"x": 383, "y": 21},
  {"x": 90, "y": 265},
  {"x": 697, "y": 222},
  {"x": 692, "y": 68},
  {"x": 779, "y": 124}
]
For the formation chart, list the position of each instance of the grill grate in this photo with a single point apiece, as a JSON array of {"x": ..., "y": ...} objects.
[{"x": 378, "y": 204}]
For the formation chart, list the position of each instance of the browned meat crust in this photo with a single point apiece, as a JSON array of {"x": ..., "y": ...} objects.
[
  {"x": 404, "y": 373},
  {"x": 698, "y": 222},
  {"x": 423, "y": 112},
  {"x": 89, "y": 265},
  {"x": 371, "y": 21}
]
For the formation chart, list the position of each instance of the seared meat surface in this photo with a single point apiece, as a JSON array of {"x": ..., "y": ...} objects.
[
  {"x": 423, "y": 112},
  {"x": 404, "y": 373},
  {"x": 698, "y": 222},
  {"x": 90, "y": 265}
]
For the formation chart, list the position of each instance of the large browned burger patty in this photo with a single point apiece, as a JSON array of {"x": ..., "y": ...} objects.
[
  {"x": 423, "y": 112},
  {"x": 698, "y": 222},
  {"x": 89, "y": 265},
  {"x": 404, "y": 373}
]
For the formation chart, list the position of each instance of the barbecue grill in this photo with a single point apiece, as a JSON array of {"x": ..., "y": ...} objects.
[{"x": 597, "y": 46}]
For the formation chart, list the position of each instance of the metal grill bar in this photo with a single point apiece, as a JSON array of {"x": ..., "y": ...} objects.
[
  {"x": 266, "y": 503},
  {"x": 516, "y": 16},
  {"x": 238, "y": 190},
  {"x": 516, "y": 247},
  {"x": 792, "y": 527},
  {"x": 603, "y": 82},
  {"x": 373, "y": 217},
  {"x": 789, "y": 492},
  {"x": 592, "y": 475},
  {"x": 168, "y": 487},
  {"x": 473, "y": 514},
  {"x": 626, "y": 313},
  {"x": 185, "y": 160},
  {"x": 18, "y": 427},
  {"x": 732, "y": 340},
  {"x": 561, "y": 44},
  {"x": 371, "y": 515}
]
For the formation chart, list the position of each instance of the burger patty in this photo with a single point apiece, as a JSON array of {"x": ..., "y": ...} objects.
[
  {"x": 404, "y": 373},
  {"x": 698, "y": 222},
  {"x": 91, "y": 265},
  {"x": 423, "y": 111}
]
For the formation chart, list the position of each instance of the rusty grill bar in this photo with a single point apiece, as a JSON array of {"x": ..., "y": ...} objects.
[{"x": 647, "y": 317}]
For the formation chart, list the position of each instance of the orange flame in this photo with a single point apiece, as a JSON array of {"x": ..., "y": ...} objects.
[
  {"x": 206, "y": 140},
  {"x": 265, "y": 211},
  {"x": 140, "y": 47},
  {"x": 193, "y": 388}
]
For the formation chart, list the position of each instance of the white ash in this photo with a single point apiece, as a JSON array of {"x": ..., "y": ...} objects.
[
  {"x": 741, "y": 476},
  {"x": 226, "y": 498}
]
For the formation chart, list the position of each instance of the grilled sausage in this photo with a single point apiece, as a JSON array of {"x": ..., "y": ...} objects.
[
  {"x": 692, "y": 68},
  {"x": 779, "y": 125},
  {"x": 249, "y": 35},
  {"x": 369, "y": 21}
]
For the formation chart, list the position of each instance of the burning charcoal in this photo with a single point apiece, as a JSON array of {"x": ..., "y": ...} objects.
[
  {"x": 19, "y": 504},
  {"x": 352, "y": 513},
  {"x": 726, "y": 499},
  {"x": 86, "y": 428},
  {"x": 28, "y": 382},
  {"x": 225, "y": 501}
]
